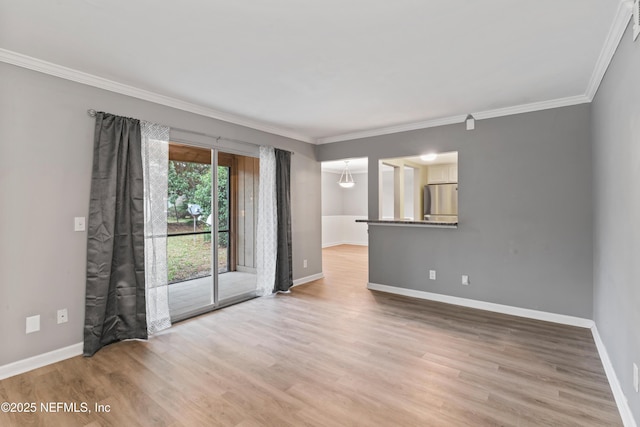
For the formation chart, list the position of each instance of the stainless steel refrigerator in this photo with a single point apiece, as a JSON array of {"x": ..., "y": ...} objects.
[{"x": 441, "y": 202}]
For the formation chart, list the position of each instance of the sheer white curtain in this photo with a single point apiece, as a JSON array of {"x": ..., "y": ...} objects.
[
  {"x": 155, "y": 162},
  {"x": 267, "y": 230}
]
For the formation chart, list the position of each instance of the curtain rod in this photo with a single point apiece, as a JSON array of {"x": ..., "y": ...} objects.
[{"x": 92, "y": 113}]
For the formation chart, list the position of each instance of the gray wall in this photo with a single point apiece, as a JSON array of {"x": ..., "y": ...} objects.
[
  {"x": 408, "y": 192},
  {"x": 46, "y": 143},
  {"x": 616, "y": 142},
  {"x": 354, "y": 199},
  {"x": 525, "y": 234},
  {"x": 388, "y": 194},
  {"x": 344, "y": 201},
  {"x": 332, "y": 203}
]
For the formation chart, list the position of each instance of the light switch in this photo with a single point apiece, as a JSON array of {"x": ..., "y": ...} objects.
[
  {"x": 33, "y": 323},
  {"x": 79, "y": 223}
]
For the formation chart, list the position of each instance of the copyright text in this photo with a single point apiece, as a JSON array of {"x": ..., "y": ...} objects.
[{"x": 53, "y": 407}]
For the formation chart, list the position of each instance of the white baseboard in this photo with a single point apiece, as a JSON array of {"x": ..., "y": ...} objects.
[
  {"x": 616, "y": 389},
  {"x": 489, "y": 306},
  {"x": 35, "y": 362},
  {"x": 328, "y": 245},
  {"x": 354, "y": 243},
  {"x": 303, "y": 280},
  {"x": 618, "y": 394}
]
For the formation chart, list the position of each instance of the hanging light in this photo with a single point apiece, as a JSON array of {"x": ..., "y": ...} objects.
[{"x": 346, "y": 180}]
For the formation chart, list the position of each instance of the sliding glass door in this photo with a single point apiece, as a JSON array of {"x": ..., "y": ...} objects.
[
  {"x": 205, "y": 271},
  {"x": 224, "y": 218},
  {"x": 237, "y": 221}
]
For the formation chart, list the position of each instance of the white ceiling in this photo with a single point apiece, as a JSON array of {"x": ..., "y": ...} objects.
[
  {"x": 324, "y": 70},
  {"x": 355, "y": 165}
]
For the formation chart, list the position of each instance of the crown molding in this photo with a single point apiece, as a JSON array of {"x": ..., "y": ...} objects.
[
  {"x": 618, "y": 27},
  {"x": 392, "y": 129},
  {"x": 77, "y": 76},
  {"x": 480, "y": 115},
  {"x": 533, "y": 106},
  {"x": 623, "y": 15}
]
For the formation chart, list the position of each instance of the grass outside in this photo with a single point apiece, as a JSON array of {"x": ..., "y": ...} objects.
[{"x": 189, "y": 257}]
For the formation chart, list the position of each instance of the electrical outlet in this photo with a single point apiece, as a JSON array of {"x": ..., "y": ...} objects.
[
  {"x": 465, "y": 279},
  {"x": 635, "y": 377},
  {"x": 432, "y": 274},
  {"x": 304, "y": 263},
  {"x": 33, "y": 324},
  {"x": 79, "y": 223},
  {"x": 63, "y": 316}
]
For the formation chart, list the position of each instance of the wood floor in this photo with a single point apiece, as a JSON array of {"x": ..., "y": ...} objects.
[{"x": 332, "y": 353}]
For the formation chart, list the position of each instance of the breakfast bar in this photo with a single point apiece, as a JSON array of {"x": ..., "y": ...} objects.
[{"x": 410, "y": 223}]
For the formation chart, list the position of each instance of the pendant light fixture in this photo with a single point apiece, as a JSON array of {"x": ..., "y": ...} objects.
[{"x": 346, "y": 180}]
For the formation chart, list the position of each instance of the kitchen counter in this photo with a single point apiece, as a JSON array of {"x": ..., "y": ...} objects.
[{"x": 410, "y": 223}]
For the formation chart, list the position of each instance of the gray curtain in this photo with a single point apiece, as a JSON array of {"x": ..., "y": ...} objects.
[
  {"x": 284, "y": 273},
  {"x": 115, "y": 289}
]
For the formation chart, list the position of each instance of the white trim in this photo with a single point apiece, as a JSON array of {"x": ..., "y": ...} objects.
[
  {"x": 533, "y": 106},
  {"x": 328, "y": 245},
  {"x": 71, "y": 74},
  {"x": 618, "y": 27},
  {"x": 487, "y": 114},
  {"x": 618, "y": 394},
  {"x": 623, "y": 15},
  {"x": 392, "y": 129},
  {"x": 355, "y": 243},
  {"x": 35, "y": 362},
  {"x": 307, "y": 279},
  {"x": 483, "y": 305}
]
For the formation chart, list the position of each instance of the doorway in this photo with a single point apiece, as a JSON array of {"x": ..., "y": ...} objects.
[
  {"x": 211, "y": 198},
  {"x": 343, "y": 205}
]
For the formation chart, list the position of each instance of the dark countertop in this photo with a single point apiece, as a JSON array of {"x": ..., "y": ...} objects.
[{"x": 406, "y": 222}]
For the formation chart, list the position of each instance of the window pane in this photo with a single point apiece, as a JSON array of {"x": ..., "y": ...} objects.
[
  {"x": 189, "y": 212},
  {"x": 223, "y": 197},
  {"x": 189, "y": 197}
]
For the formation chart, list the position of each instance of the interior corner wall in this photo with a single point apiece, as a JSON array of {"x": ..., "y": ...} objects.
[
  {"x": 525, "y": 203},
  {"x": 46, "y": 145},
  {"x": 616, "y": 142}
]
